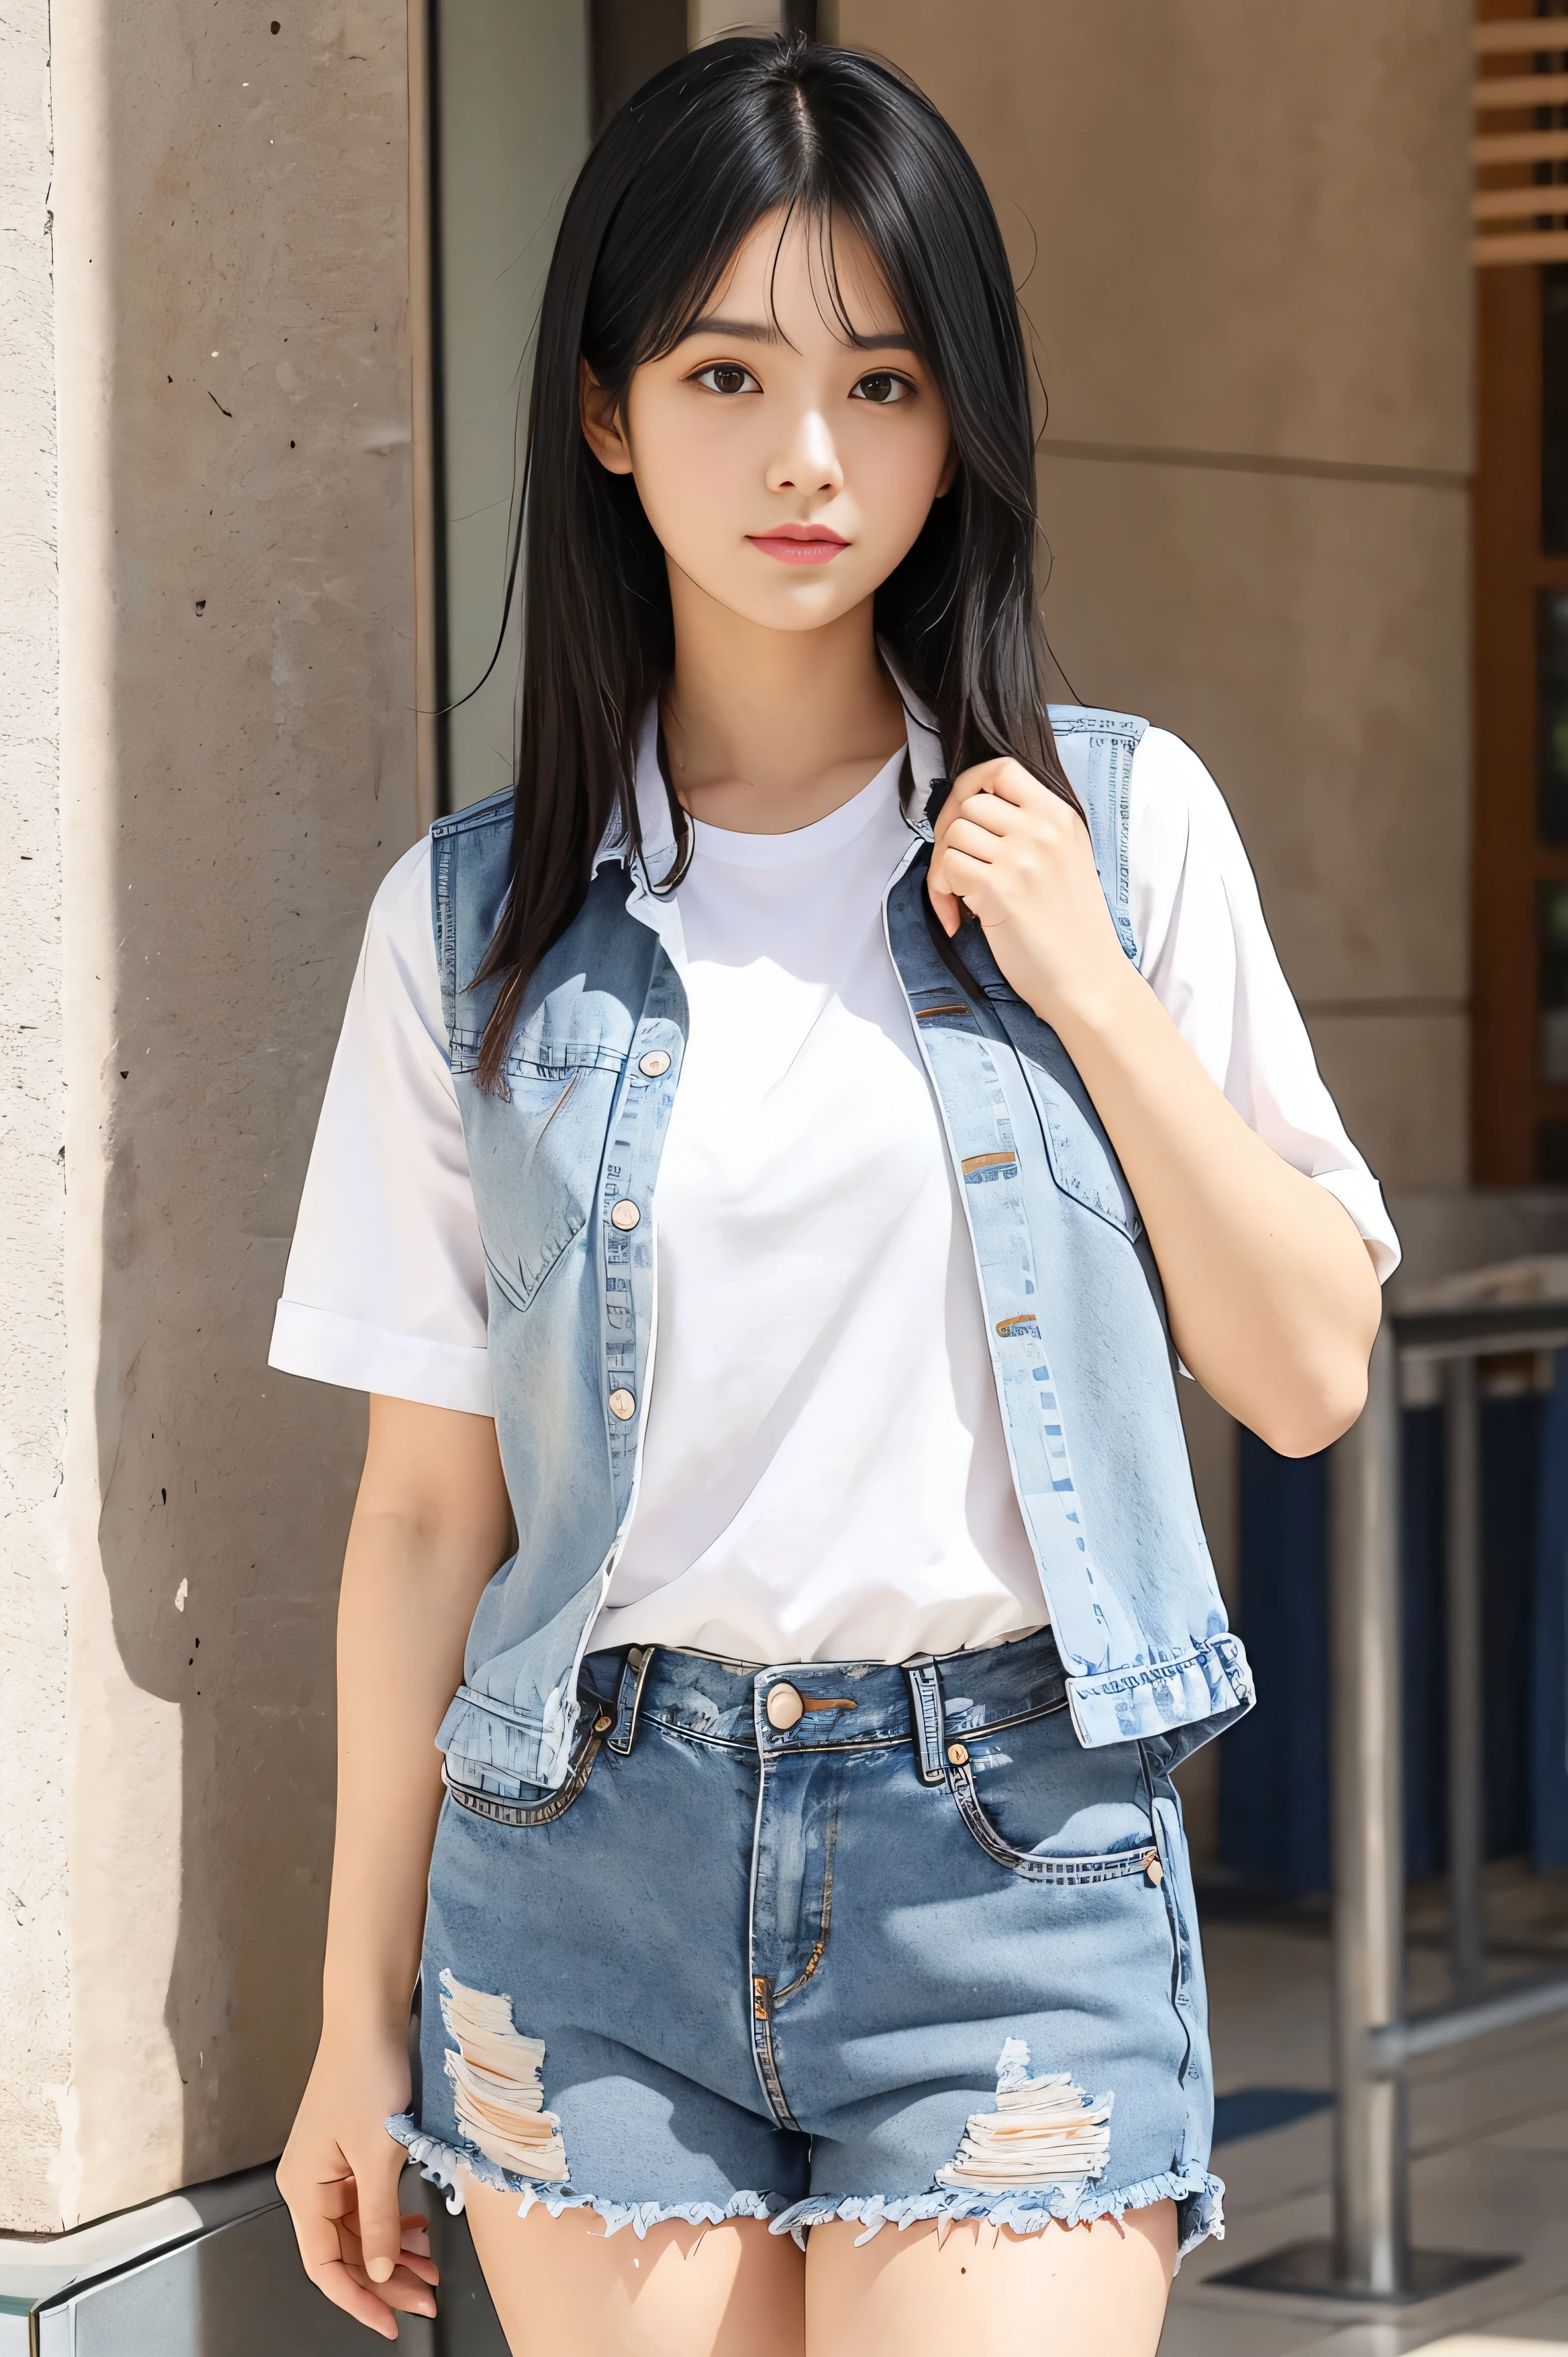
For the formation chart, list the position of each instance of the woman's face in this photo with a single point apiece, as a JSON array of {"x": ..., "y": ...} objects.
[{"x": 785, "y": 470}]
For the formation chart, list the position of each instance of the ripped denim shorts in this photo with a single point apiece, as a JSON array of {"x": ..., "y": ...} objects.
[{"x": 840, "y": 1941}]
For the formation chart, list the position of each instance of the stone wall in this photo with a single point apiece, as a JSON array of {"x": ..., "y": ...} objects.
[
  {"x": 35, "y": 2042},
  {"x": 235, "y": 675}
]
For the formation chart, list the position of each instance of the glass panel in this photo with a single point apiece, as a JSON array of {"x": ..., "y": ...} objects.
[
  {"x": 1555, "y": 409},
  {"x": 512, "y": 78},
  {"x": 1551, "y": 714},
  {"x": 1552, "y": 992},
  {"x": 1551, "y": 1152}
]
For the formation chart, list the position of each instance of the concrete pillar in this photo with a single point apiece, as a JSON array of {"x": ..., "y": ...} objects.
[
  {"x": 35, "y": 2036},
  {"x": 227, "y": 339}
]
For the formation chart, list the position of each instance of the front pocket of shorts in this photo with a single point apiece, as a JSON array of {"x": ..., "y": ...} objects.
[
  {"x": 1043, "y": 1808},
  {"x": 498, "y": 1810},
  {"x": 1061, "y": 1871}
]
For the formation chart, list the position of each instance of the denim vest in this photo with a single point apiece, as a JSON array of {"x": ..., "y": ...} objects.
[{"x": 566, "y": 1168}]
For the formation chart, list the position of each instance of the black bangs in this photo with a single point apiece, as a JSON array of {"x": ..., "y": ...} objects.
[{"x": 676, "y": 183}]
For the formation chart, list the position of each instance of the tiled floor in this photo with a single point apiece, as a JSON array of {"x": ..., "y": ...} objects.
[{"x": 1489, "y": 2133}]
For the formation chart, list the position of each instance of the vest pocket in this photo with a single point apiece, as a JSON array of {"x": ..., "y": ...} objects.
[
  {"x": 1083, "y": 1161},
  {"x": 535, "y": 1157},
  {"x": 1082, "y": 1158}
]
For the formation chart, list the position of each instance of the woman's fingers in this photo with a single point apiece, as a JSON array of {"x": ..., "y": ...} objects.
[
  {"x": 415, "y": 2233},
  {"x": 415, "y": 2265},
  {"x": 318, "y": 2214},
  {"x": 964, "y": 877},
  {"x": 979, "y": 842},
  {"x": 380, "y": 2220},
  {"x": 988, "y": 812},
  {"x": 949, "y": 915}
]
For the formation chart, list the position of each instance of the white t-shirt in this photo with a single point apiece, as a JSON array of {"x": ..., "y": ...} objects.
[{"x": 823, "y": 1475}]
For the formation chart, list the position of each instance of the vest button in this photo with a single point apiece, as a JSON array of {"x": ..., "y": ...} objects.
[
  {"x": 653, "y": 1065},
  {"x": 624, "y": 1214},
  {"x": 622, "y": 1406},
  {"x": 785, "y": 1708}
]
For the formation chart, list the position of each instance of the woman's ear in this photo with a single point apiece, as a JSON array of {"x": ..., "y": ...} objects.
[
  {"x": 949, "y": 471},
  {"x": 602, "y": 429}
]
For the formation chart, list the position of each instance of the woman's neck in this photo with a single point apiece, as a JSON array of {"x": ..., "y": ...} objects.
[{"x": 770, "y": 730}]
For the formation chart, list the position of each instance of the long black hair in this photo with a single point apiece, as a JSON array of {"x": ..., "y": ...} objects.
[{"x": 674, "y": 185}]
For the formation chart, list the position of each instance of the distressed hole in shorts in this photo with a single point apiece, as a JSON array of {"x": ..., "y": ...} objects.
[
  {"x": 498, "y": 2091},
  {"x": 1044, "y": 2131}
]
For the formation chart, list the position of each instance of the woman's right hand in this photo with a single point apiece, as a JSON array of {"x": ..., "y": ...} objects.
[{"x": 339, "y": 2176}]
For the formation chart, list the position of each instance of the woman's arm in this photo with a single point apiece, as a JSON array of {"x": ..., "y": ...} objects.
[
  {"x": 430, "y": 1524},
  {"x": 1273, "y": 1299}
]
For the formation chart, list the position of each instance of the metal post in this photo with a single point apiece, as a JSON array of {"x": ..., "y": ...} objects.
[
  {"x": 1374, "y": 2041},
  {"x": 1371, "y": 2225},
  {"x": 1467, "y": 1769}
]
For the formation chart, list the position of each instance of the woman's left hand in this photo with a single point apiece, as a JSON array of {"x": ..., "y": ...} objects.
[{"x": 1019, "y": 858}]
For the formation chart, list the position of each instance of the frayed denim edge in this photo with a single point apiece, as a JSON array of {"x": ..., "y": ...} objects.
[
  {"x": 445, "y": 2165},
  {"x": 1201, "y": 2198}
]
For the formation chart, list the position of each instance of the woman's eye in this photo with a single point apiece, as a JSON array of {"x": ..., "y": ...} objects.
[
  {"x": 727, "y": 376},
  {"x": 883, "y": 387}
]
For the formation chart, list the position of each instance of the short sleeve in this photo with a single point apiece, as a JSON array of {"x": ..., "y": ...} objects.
[
  {"x": 385, "y": 1286},
  {"x": 1205, "y": 950}
]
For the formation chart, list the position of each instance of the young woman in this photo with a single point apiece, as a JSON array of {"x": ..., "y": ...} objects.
[{"x": 809, "y": 1893}]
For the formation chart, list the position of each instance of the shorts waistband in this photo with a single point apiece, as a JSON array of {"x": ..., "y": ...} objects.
[{"x": 825, "y": 1706}]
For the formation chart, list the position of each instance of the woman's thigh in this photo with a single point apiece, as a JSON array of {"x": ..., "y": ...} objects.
[
  {"x": 1099, "y": 2289},
  {"x": 559, "y": 2284}
]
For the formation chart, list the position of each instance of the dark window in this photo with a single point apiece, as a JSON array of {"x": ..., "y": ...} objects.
[
  {"x": 1555, "y": 409},
  {"x": 1551, "y": 1152},
  {"x": 1551, "y": 714},
  {"x": 632, "y": 41},
  {"x": 1551, "y": 989}
]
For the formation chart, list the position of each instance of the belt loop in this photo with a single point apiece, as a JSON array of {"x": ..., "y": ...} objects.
[
  {"x": 926, "y": 1721},
  {"x": 629, "y": 1698}
]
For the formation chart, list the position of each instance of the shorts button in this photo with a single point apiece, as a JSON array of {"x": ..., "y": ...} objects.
[
  {"x": 957, "y": 1753},
  {"x": 654, "y": 1064},
  {"x": 622, "y": 1406},
  {"x": 785, "y": 1708},
  {"x": 624, "y": 1214}
]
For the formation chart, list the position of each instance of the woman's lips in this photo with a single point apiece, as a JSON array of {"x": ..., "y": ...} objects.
[{"x": 798, "y": 547}]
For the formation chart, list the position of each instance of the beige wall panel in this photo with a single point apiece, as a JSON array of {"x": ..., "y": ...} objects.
[
  {"x": 1402, "y": 1083},
  {"x": 1309, "y": 638},
  {"x": 1252, "y": 218},
  {"x": 35, "y": 2052},
  {"x": 236, "y": 655}
]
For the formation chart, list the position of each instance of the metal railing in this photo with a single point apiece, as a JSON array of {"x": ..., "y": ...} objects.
[{"x": 1374, "y": 2039}]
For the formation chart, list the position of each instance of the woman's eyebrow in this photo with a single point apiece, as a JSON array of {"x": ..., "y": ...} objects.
[{"x": 757, "y": 331}]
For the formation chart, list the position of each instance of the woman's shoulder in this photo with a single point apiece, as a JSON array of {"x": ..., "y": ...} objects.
[
  {"x": 400, "y": 907},
  {"x": 1178, "y": 818},
  {"x": 398, "y": 967},
  {"x": 1187, "y": 869}
]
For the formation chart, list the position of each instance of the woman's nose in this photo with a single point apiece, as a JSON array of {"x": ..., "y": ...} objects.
[{"x": 808, "y": 462}]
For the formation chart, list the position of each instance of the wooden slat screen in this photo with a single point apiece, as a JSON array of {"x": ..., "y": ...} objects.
[{"x": 1520, "y": 205}]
